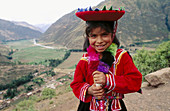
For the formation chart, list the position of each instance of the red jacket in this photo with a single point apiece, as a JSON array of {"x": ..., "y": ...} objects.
[{"x": 122, "y": 78}]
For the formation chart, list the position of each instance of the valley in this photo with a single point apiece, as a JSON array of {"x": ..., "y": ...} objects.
[
  {"x": 37, "y": 67},
  {"x": 60, "y": 80},
  {"x": 46, "y": 78},
  {"x": 28, "y": 70}
]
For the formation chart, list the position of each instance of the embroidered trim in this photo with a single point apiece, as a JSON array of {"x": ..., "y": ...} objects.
[
  {"x": 117, "y": 61},
  {"x": 83, "y": 92},
  {"x": 111, "y": 82},
  {"x": 85, "y": 58},
  {"x": 115, "y": 104},
  {"x": 107, "y": 80}
]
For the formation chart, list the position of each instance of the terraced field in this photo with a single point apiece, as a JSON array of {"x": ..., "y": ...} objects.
[{"x": 71, "y": 62}]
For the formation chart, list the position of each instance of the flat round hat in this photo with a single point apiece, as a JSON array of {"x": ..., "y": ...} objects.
[{"x": 100, "y": 15}]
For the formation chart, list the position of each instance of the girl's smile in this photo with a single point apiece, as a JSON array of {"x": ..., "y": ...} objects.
[{"x": 100, "y": 39}]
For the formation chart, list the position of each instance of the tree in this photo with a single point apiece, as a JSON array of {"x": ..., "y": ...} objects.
[
  {"x": 10, "y": 93},
  {"x": 38, "y": 81},
  {"x": 28, "y": 88}
]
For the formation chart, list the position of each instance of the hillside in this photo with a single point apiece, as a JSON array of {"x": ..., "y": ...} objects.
[
  {"x": 25, "y": 24},
  {"x": 60, "y": 82},
  {"x": 10, "y": 31},
  {"x": 4, "y": 50},
  {"x": 38, "y": 27},
  {"x": 4, "y": 54},
  {"x": 143, "y": 21},
  {"x": 156, "y": 97}
]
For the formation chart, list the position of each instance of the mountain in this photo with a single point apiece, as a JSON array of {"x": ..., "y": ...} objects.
[
  {"x": 10, "y": 31},
  {"x": 38, "y": 27},
  {"x": 25, "y": 24},
  {"x": 144, "y": 20},
  {"x": 43, "y": 27}
]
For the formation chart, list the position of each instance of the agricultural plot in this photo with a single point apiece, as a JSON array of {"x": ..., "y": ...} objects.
[
  {"x": 27, "y": 52},
  {"x": 37, "y": 54},
  {"x": 20, "y": 44},
  {"x": 72, "y": 61}
]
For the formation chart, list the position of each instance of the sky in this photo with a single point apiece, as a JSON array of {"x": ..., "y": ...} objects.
[{"x": 40, "y": 11}]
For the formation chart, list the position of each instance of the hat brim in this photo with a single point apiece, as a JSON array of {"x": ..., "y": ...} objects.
[{"x": 107, "y": 15}]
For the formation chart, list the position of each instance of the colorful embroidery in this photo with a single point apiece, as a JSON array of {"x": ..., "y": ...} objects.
[{"x": 83, "y": 92}]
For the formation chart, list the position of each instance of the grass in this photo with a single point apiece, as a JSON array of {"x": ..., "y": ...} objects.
[
  {"x": 151, "y": 44},
  {"x": 37, "y": 54},
  {"x": 20, "y": 44},
  {"x": 28, "y": 53},
  {"x": 72, "y": 67}
]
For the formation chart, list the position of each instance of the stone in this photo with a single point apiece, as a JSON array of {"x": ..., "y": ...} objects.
[
  {"x": 159, "y": 77},
  {"x": 145, "y": 84}
]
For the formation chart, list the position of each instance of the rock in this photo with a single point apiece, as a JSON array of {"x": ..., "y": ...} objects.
[
  {"x": 159, "y": 77},
  {"x": 29, "y": 94},
  {"x": 1, "y": 101},
  {"x": 145, "y": 84}
]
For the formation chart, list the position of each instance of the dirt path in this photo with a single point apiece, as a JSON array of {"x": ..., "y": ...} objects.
[{"x": 152, "y": 99}]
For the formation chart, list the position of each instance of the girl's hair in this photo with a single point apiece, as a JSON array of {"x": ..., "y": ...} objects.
[{"x": 108, "y": 26}]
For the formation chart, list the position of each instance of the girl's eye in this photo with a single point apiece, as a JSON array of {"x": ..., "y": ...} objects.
[
  {"x": 105, "y": 34},
  {"x": 93, "y": 35}
]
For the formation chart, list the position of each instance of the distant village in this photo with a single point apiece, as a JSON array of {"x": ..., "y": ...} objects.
[{"x": 50, "y": 82}]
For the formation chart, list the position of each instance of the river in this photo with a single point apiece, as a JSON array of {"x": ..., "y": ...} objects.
[{"x": 48, "y": 47}]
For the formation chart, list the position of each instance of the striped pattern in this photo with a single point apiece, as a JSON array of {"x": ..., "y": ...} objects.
[
  {"x": 110, "y": 82},
  {"x": 110, "y": 85},
  {"x": 115, "y": 104},
  {"x": 83, "y": 92}
]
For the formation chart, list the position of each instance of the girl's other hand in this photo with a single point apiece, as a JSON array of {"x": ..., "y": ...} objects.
[
  {"x": 96, "y": 91},
  {"x": 99, "y": 78}
]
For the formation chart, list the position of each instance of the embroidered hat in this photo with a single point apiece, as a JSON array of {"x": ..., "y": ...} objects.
[{"x": 100, "y": 15}]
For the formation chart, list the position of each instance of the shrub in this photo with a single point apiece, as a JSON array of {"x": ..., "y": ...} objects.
[
  {"x": 50, "y": 73},
  {"x": 150, "y": 61},
  {"x": 10, "y": 93},
  {"x": 38, "y": 81},
  {"x": 28, "y": 88},
  {"x": 51, "y": 102},
  {"x": 26, "y": 105},
  {"x": 49, "y": 93}
]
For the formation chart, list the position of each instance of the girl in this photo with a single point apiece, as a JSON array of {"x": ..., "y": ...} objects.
[{"x": 105, "y": 73}]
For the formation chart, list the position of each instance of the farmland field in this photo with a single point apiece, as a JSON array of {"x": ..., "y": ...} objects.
[
  {"x": 20, "y": 44},
  {"x": 27, "y": 52},
  {"x": 72, "y": 61}
]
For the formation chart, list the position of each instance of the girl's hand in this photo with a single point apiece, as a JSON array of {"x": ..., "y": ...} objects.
[
  {"x": 99, "y": 78},
  {"x": 96, "y": 91}
]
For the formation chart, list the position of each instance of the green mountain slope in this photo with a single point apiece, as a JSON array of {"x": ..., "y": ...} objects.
[
  {"x": 9, "y": 31},
  {"x": 144, "y": 20}
]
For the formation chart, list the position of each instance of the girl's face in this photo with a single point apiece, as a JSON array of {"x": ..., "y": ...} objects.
[{"x": 100, "y": 39}]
